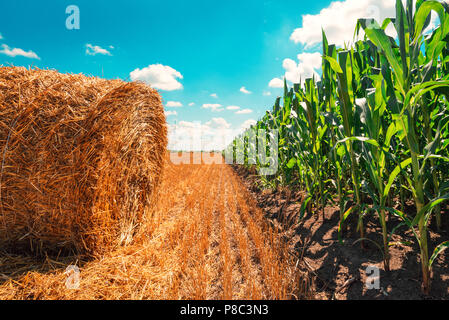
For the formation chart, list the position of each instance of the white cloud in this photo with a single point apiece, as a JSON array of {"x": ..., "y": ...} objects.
[
  {"x": 266, "y": 93},
  {"x": 173, "y": 104},
  {"x": 159, "y": 77},
  {"x": 434, "y": 23},
  {"x": 248, "y": 123},
  {"x": 339, "y": 21},
  {"x": 244, "y": 90},
  {"x": 233, "y": 108},
  {"x": 307, "y": 66},
  {"x": 214, "y": 95},
  {"x": 213, "y": 106},
  {"x": 191, "y": 104},
  {"x": 215, "y": 134},
  {"x": 92, "y": 50},
  {"x": 188, "y": 124},
  {"x": 218, "y": 123},
  {"x": 1, "y": 37},
  {"x": 244, "y": 111},
  {"x": 276, "y": 83},
  {"x": 170, "y": 113},
  {"x": 18, "y": 52}
]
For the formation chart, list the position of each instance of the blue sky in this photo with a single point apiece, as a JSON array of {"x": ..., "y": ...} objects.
[{"x": 188, "y": 50}]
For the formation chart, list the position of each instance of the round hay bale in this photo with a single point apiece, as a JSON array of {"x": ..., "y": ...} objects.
[{"x": 81, "y": 159}]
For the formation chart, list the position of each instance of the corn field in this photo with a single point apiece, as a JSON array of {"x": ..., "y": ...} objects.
[{"x": 373, "y": 131}]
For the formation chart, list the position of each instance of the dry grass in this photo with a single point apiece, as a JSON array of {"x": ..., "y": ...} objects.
[
  {"x": 81, "y": 158},
  {"x": 206, "y": 239}
]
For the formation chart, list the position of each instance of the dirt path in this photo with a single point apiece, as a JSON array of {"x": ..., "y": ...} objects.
[{"x": 206, "y": 239}]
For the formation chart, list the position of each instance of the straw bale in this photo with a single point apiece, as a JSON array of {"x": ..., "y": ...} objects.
[{"x": 81, "y": 159}]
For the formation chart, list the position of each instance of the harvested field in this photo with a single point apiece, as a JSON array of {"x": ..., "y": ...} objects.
[
  {"x": 298, "y": 151},
  {"x": 206, "y": 239}
]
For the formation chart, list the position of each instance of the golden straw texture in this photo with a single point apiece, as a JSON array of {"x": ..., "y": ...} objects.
[{"x": 81, "y": 159}]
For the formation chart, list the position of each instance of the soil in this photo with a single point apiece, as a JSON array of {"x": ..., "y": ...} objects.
[{"x": 340, "y": 269}]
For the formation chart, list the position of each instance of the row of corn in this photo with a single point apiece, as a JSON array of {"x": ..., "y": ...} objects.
[{"x": 373, "y": 131}]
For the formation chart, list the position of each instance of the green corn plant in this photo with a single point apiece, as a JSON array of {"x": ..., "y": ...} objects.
[
  {"x": 408, "y": 96},
  {"x": 311, "y": 110},
  {"x": 375, "y": 153},
  {"x": 330, "y": 115},
  {"x": 343, "y": 69},
  {"x": 373, "y": 129}
]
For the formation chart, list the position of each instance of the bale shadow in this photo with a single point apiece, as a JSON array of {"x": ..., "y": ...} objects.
[{"x": 14, "y": 264}]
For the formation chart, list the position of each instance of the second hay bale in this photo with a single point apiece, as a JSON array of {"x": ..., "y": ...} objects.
[{"x": 81, "y": 159}]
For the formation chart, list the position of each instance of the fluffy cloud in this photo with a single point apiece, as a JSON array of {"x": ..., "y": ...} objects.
[
  {"x": 159, "y": 77},
  {"x": 339, "y": 21},
  {"x": 244, "y": 90},
  {"x": 340, "y": 18},
  {"x": 248, "y": 123},
  {"x": 233, "y": 108},
  {"x": 191, "y": 104},
  {"x": 215, "y": 134},
  {"x": 307, "y": 66},
  {"x": 434, "y": 23},
  {"x": 92, "y": 50},
  {"x": 214, "y": 95},
  {"x": 173, "y": 104},
  {"x": 276, "y": 83},
  {"x": 18, "y": 52},
  {"x": 170, "y": 113},
  {"x": 215, "y": 107},
  {"x": 244, "y": 111},
  {"x": 266, "y": 93},
  {"x": 218, "y": 123}
]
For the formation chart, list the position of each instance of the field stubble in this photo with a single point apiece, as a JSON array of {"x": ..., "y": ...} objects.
[{"x": 206, "y": 239}]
